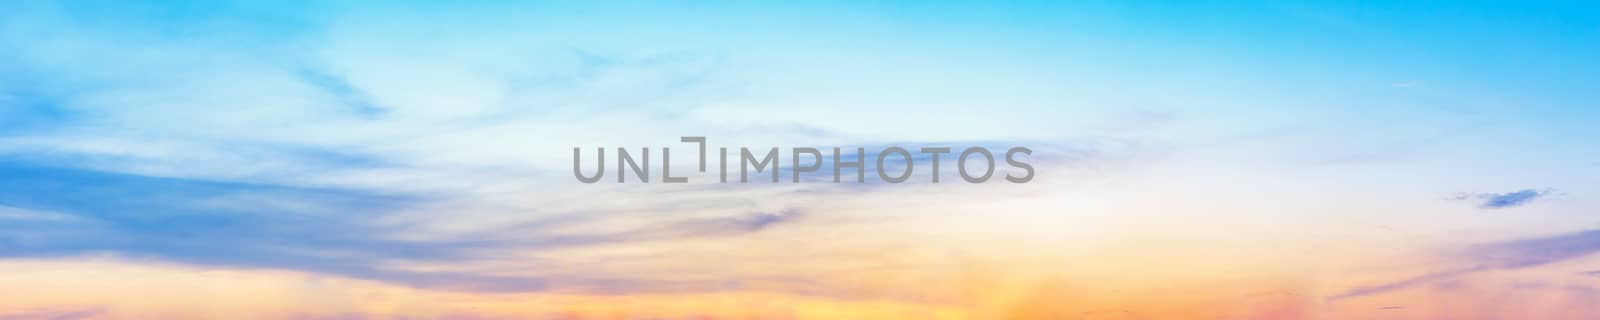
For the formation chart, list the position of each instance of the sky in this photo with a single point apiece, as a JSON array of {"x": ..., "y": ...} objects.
[{"x": 412, "y": 160}]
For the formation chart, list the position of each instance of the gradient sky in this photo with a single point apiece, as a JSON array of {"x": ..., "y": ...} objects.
[{"x": 1199, "y": 160}]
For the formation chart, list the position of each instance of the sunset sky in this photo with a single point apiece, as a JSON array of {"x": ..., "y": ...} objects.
[{"x": 413, "y": 160}]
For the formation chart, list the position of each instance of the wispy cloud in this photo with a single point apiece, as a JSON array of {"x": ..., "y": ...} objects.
[
  {"x": 65, "y": 212},
  {"x": 1504, "y": 200},
  {"x": 1508, "y": 255},
  {"x": 53, "y": 314}
]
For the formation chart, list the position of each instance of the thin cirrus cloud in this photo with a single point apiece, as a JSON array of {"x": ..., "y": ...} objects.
[{"x": 1507, "y": 255}]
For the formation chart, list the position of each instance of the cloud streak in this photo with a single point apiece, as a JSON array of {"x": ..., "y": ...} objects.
[
  {"x": 1508, "y": 255},
  {"x": 1493, "y": 201},
  {"x": 61, "y": 314},
  {"x": 63, "y": 212}
]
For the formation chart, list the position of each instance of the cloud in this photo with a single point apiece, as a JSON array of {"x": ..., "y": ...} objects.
[
  {"x": 203, "y": 222},
  {"x": 1508, "y": 255},
  {"x": 1504, "y": 200},
  {"x": 52, "y": 212},
  {"x": 704, "y": 227},
  {"x": 62, "y": 314},
  {"x": 379, "y": 146},
  {"x": 1536, "y": 251}
]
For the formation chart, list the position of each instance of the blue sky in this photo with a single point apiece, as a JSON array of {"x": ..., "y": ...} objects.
[{"x": 423, "y": 144}]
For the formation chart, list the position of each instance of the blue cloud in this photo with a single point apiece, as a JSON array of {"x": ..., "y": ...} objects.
[
  {"x": 1504, "y": 200},
  {"x": 204, "y": 222},
  {"x": 322, "y": 230},
  {"x": 228, "y": 224},
  {"x": 1513, "y": 199}
]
